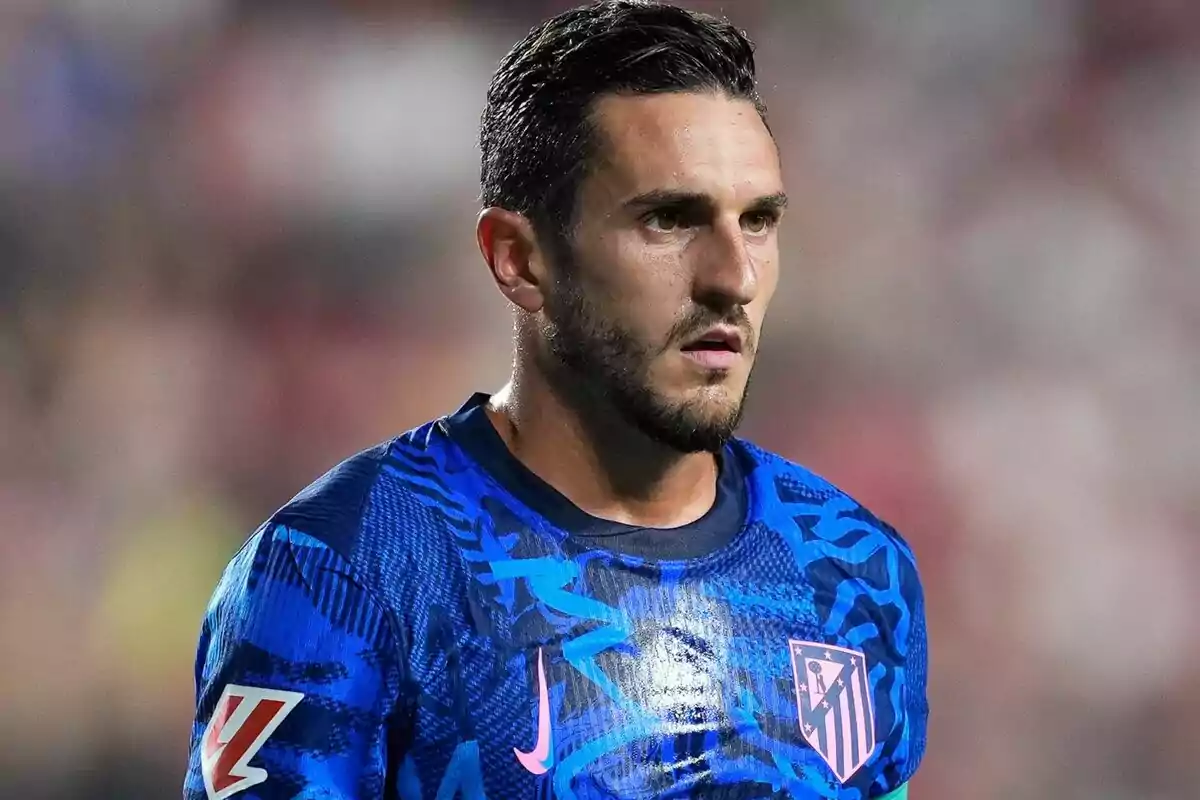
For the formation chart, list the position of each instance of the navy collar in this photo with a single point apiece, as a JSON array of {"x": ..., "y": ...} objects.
[{"x": 472, "y": 430}]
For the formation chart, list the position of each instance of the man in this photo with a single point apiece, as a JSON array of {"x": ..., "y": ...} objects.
[{"x": 583, "y": 586}]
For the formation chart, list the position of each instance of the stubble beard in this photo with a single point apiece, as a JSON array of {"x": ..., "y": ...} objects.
[{"x": 593, "y": 362}]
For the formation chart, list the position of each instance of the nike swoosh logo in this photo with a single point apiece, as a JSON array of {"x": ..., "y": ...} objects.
[{"x": 538, "y": 760}]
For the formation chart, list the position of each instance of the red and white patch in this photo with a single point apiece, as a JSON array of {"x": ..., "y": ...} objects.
[{"x": 245, "y": 717}]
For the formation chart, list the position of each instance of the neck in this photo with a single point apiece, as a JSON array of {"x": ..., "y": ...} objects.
[{"x": 597, "y": 460}]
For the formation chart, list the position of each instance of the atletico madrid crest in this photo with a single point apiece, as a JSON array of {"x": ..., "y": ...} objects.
[{"x": 833, "y": 696}]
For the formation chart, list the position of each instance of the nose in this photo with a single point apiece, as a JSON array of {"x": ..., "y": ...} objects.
[{"x": 726, "y": 274}]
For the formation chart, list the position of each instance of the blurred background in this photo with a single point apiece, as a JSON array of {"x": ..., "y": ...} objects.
[{"x": 236, "y": 246}]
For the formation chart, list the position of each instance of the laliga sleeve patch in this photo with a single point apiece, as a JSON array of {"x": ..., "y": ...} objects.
[{"x": 245, "y": 717}]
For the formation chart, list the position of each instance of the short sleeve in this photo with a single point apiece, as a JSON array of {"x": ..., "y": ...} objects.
[
  {"x": 297, "y": 674},
  {"x": 916, "y": 688}
]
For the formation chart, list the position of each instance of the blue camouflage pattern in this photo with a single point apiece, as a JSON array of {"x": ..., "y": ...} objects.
[{"x": 410, "y": 597}]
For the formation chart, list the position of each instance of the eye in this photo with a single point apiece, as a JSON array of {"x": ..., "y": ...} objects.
[
  {"x": 759, "y": 221},
  {"x": 664, "y": 220}
]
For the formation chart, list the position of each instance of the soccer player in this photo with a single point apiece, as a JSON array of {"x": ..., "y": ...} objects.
[{"x": 584, "y": 585}]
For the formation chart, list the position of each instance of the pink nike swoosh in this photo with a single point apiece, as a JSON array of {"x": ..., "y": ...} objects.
[{"x": 538, "y": 760}]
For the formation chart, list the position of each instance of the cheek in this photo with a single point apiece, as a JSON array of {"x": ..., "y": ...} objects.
[
  {"x": 768, "y": 281},
  {"x": 642, "y": 288},
  {"x": 602, "y": 269},
  {"x": 646, "y": 271}
]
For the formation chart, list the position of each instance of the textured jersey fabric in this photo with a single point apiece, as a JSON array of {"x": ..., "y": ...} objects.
[{"x": 429, "y": 620}]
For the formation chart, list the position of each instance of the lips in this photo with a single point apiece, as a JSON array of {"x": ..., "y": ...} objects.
[
  {"x": 722, "y": 338},
  {"x": 717, "y": 349}
]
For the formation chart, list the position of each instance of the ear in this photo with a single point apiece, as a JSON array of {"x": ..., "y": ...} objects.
[{"x": 510, "y": 249}]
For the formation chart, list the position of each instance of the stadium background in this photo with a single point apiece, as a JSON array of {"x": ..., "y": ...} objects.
[{"x": 236, "y": 245}]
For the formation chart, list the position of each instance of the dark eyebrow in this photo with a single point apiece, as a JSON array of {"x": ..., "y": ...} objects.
[
  {"x": 667, "y": 197},
  {"x": 772, "y": 202},
  {"x": 670, "y": 197}
]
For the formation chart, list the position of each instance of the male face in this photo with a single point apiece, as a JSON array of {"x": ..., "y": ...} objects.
[{"x": 673, "y": 261}]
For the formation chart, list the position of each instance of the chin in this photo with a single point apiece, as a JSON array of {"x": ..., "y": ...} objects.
[
  {"x": 703, "y": 422},
  {"x": 715, "y": 399},
  {"x": 685, "y": 416}
]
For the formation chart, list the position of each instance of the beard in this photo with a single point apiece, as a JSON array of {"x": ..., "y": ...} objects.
[{"x": 596, "y": 361}]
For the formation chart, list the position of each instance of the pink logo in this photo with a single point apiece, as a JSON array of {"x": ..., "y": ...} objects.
[
  {"x": 833, "y": 695},
  {"x": 539, "y": 759}
]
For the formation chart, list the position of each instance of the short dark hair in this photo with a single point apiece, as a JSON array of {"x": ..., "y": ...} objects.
[{"x": 535, "y": 137}]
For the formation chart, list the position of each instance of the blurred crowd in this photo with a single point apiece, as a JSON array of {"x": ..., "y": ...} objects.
[{"x": 236, "y": 245}]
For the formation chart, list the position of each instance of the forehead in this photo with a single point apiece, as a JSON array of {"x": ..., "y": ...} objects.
[{"x": 706, "y": 143}]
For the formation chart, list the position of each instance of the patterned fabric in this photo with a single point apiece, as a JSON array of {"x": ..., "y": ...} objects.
[{"x": 408, "y": 628}]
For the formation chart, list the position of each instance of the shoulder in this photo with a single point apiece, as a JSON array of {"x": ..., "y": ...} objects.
[
  {"x": 824, "y": 512},
  {"x": 868, "y": 593},
  {"x": 306, "y": 545},
  {"x": 351, "y": 533},
  {"x": 365, "y": 515},
  {"x": 375, "y": 499},
  {"x": 330, "y": 509}
]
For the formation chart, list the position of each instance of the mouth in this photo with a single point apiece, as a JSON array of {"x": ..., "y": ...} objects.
[{"x": 717, "y": 348}]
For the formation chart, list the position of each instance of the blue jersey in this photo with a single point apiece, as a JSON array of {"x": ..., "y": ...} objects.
[{"x": 430, "y": 621}]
